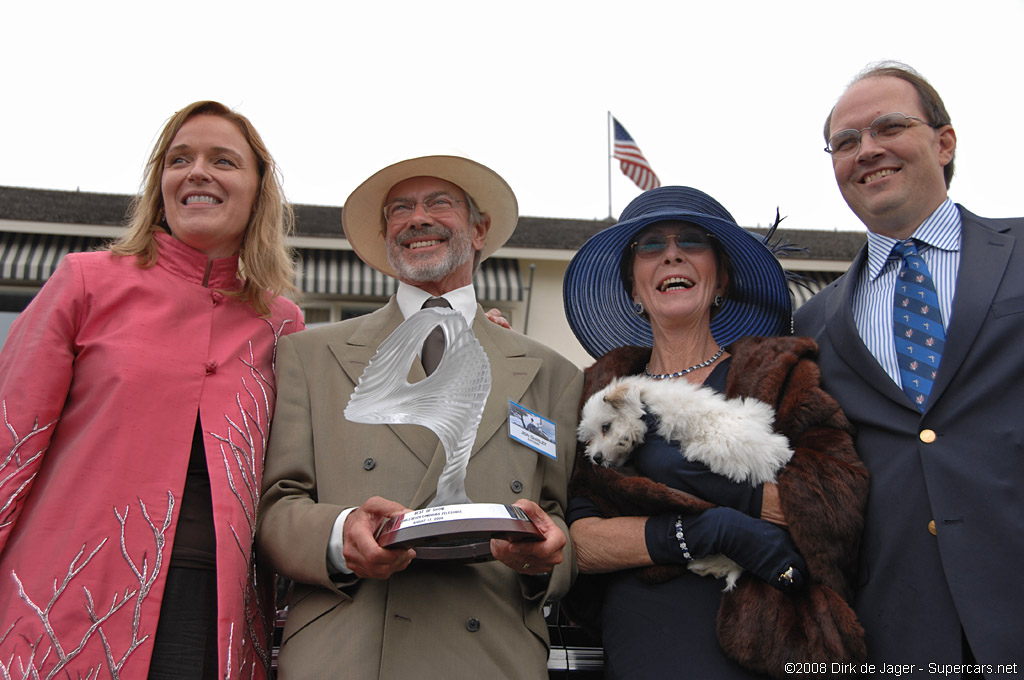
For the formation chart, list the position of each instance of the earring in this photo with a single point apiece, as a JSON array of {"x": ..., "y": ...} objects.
[
  {"x": 638, "y": 308},
  {"x": 718, "y": 302}
]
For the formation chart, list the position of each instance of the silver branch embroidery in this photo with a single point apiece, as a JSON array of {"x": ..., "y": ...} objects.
[
  {"x": 34, "y": 666},
  {"x": 242, "y": 449},
  {"x": 13, "y": 482}
]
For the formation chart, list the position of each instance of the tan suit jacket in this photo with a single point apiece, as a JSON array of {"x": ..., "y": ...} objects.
[{"x": 467, "y": 621}]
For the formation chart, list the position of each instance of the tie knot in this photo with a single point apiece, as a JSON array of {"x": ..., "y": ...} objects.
[
  {"x": 436, "y": 302},
  {"x": 905, "y": 248}
]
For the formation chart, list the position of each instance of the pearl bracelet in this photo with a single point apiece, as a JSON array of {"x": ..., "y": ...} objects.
[{"x": 682, "y": 539}]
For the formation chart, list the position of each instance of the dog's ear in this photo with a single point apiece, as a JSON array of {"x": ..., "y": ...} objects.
[
  {"x": 617, "y": 396},
  {"x": 624, "y": 397},
  {"x": 636, "y": 399}
]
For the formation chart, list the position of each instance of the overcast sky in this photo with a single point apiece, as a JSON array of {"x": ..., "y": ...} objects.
[{"x": 728, "y": 97}]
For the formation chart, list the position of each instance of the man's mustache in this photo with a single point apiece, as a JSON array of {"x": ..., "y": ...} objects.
[{"x": 440, "y": 232}]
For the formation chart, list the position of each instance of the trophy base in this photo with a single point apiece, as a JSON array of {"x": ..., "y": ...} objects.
[{"x": 457, "y": 533}]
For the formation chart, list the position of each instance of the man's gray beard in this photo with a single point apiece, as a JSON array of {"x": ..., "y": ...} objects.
[{"x": 460, "y": 250}]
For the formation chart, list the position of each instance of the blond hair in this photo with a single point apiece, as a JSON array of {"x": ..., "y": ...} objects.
[{"x": 265, "y": 263}]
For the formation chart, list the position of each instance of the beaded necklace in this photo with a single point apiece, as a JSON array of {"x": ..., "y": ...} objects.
[{"x": 691, "y": 369}]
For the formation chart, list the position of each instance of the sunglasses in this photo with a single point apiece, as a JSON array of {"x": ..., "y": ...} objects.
[{"x": 689, "y": 241}]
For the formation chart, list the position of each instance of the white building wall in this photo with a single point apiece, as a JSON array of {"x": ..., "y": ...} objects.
[{"x": 546, "y": 322}]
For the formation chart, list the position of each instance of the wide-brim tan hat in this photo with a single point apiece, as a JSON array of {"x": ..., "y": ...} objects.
[{"x": 362, "y": 212}]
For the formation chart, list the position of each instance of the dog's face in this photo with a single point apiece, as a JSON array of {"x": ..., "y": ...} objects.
[{"x": 612, "y": 424}]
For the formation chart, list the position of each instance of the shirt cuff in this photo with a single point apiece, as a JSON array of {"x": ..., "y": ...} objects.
[{"x": 335, "y": 557}]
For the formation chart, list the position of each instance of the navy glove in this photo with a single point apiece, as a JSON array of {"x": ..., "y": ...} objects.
[{"x": 760, "y": 547}]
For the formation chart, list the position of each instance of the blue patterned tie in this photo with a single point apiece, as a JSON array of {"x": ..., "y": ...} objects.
[{"x": 917, "y": 325}]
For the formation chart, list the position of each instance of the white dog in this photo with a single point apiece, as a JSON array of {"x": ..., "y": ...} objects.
[{"x": 732, "y": 437}]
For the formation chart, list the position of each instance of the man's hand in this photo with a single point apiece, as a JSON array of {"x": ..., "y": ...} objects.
[
  {"x": 363, "y": 556},
  {"x": 532, "y": 557}
]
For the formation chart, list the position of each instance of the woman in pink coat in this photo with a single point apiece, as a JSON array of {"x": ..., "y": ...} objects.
[{"x": 136, "y": 394}]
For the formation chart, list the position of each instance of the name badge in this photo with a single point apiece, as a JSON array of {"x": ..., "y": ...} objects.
[{"x": 533, "y": 430}]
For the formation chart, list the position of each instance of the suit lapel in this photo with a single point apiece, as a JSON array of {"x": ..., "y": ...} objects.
[
  {"x": 355, "y": 353},
  {"x": 843, "y": 334},
  {"x": 511, "y": 374},
  {"x": 984, "y": 255}
]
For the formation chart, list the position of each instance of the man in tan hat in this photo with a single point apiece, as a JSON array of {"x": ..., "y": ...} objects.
[{"x": 361, "y": 611}]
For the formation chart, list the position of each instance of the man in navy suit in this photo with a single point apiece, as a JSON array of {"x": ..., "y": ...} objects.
[{"x": 944, "y": 534}]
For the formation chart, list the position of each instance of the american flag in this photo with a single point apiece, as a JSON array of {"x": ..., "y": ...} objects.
[{"x": 632, "y": 161}]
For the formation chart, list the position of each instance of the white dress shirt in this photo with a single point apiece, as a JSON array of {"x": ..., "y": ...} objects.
[{"x": 938, "y": 240}]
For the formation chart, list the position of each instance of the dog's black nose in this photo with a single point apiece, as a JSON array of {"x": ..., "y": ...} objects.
[{"x": 598, "y": 458}]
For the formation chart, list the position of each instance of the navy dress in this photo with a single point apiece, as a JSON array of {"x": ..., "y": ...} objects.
[{"x": 667, "y": 630}]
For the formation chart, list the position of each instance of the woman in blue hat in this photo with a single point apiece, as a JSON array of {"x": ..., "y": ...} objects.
[{"x": 677, "y": 291}]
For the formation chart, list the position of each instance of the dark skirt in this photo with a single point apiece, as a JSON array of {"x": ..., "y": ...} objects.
[
  {"x": 665, "y": 630},
  {"x": 186, "y": 636}
]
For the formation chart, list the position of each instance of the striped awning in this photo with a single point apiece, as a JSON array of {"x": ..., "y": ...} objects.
[
  {"x": 32, "y": 258},
  {"x": 498, "y": 280},
  {"x": 341, "y": 272}
]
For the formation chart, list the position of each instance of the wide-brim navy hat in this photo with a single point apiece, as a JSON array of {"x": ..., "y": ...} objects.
[{"x": 599, "y": 307}]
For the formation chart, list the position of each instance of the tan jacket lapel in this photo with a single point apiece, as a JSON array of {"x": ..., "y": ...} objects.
[{"x": 512, "y": 372}]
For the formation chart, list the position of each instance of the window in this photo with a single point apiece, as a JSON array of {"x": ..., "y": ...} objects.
[{"x": 318, "y": 313}]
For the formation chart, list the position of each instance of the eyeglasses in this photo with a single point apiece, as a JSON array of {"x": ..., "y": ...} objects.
[
  {"x": 653, "y": 245},
  {"x": 439, "y": 205},
  {"x": 884, "y": 129}
]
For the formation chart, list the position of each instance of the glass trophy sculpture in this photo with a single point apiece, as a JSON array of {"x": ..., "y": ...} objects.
[{"x": 450, "y": 402}]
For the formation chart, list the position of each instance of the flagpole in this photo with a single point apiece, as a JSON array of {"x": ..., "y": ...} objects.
[{"x": 608, "y": 139}]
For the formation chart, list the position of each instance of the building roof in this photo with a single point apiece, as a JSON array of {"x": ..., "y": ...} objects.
[
  {"x": 80, "y": 207},
  {"x": 69, "y": 207}
]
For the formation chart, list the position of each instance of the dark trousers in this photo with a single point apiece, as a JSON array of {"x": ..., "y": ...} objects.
[{"x": 186, "y": 636}]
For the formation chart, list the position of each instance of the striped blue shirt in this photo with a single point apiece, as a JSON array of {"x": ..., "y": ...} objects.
[{"x": 938, "y": 242}]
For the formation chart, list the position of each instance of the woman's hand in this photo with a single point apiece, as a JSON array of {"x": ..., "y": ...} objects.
[
  {"x": 495, "y": 316},
  {"x": 760, "y": 547}
]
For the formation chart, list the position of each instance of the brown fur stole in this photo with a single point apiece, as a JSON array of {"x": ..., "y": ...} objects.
[{"x": 823, "y": 491}]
